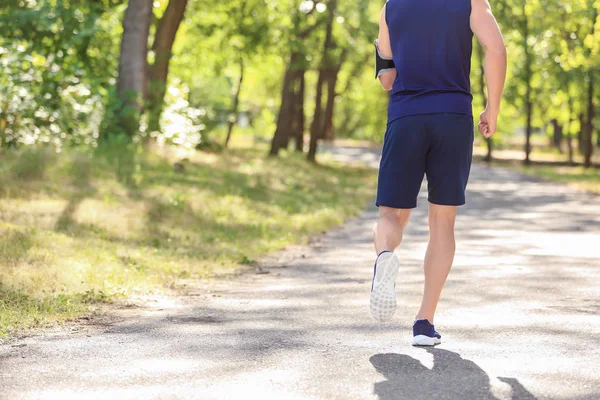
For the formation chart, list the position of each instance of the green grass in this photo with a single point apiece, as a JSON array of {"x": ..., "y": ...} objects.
[
  {"x": 77, "y": 229},
  {"x": 577, "y": 176},
  {"x": 582, "y": 178}
]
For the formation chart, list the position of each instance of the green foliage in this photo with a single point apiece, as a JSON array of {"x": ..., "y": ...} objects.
[
  {"x": 362, "y": 114},
  {"x": 58, "y": 58},
  {"x": 223, "y": 47},
  {"x": 554, "y": 45},
  {"x": 59, "y": 67}
]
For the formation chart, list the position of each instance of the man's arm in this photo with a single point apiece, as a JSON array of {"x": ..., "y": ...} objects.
[
  {"x": 487, "y": 31},
  {"x": 385, "y": 48}
]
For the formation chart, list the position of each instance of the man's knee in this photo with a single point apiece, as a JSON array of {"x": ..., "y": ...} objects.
[
  {"x": 398, "y": 217},
  {"x": 442, "y": 216}
]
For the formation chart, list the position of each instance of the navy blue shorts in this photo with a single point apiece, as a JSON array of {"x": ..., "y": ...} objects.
[{"x": 437, "y": 145}]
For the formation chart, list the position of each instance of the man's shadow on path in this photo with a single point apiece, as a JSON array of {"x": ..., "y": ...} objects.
[{"x": 451, "y": 378}]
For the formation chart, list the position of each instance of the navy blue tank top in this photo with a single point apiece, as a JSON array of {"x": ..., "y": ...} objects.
[{"x": 432, "y": 43}]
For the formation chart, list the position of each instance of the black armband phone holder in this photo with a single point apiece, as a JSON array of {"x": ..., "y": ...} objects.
[{"x": 382, "y": 64}]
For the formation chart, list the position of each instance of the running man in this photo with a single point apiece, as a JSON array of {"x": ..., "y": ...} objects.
[{"x": 424, "y": 58}]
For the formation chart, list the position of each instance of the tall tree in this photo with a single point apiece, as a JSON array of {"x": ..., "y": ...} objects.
[
  {"x": 569, "y": 71},
  {"x": 236, "y": 102},
  {"x": 162, "y": 47},
  {"x": 359, "y": 103},
  {"x": 528, "y": 75},
  {"x": 588, "y": 130},
  {"x": 293, "y": 81},
  {"x": 523, "y": 24},
  {"x": 298, "y": 120},
  {"x": 331, "y": 80},
  {"x": 247, "y": 39},
  {"x": 291, "y": 110},
  {"x": 326, "y": 70},
  {"x": 569, "y": 119},
  {"x": 133, "y": 62},
  {"x": 591, "y": 109},
  {"x": 234, "y": 35}
]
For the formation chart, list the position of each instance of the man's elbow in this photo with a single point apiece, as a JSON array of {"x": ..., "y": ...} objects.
[
  {"x": 386, "y": 84},
  {"x": 497, "y": 50},
  {"x": 387, "y": 80}
]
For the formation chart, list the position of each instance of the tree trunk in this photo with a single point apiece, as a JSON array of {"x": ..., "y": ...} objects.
[
  {"x": 589, "y": 126},
  {"x": 315, "y": 127},
  {"x": 570, "y": 146},
  {"x": 568, "y": 131},
  {"x": 133, "y": 62},
  {"x": 581, "y": 134},
  {"x": 292, "y": 92},
  {"x": 332, "y": 78},
  {"x": 318, "y": 123},
  {"x": 298, "y": 125},
  {"x": 528, "y": 130},
  {"x": 286, "y": 110},
  {"x": 481, "y": 55},
  {"x": 347, "y": 126},
  {"x": 528, "y": 100},
  {"x": 236, "y": 101},
  {"x": 557, "y": 135},
  {"x": 163, "y": 51}
]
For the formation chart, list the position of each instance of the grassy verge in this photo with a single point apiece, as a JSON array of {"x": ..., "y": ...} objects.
[
  {"x": 576, "y": 176},
  {"x": 74, "y": 231},
  {"x": 579, "y": 177}
]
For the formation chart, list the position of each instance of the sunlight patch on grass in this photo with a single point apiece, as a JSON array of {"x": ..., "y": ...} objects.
[{"x": 18, "y": 310}]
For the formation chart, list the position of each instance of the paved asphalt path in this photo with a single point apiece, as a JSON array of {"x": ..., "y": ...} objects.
[{"x": 519, "y": 317}]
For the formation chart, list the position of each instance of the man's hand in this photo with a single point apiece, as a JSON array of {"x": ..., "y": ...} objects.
[
  {"x": 488, "y": 33},
  {"x": 488, "y": 122}
]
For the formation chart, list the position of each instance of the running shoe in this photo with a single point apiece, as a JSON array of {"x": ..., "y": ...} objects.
[
  {"x": 425, "y": 334},
  {"x": 383, "y": 289}
]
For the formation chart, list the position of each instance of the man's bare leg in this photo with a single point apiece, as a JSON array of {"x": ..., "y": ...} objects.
[
  {"x": 387, "y": 237},
  {"x": 439, "y": 257},
  {"x": 388, "y": 232}
]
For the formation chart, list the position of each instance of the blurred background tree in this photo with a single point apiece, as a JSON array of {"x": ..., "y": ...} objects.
[{"x": 189, "y": 73}]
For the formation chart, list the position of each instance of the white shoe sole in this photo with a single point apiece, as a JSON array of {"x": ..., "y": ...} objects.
[
  {"x": 383, "y": 296},
  {"x": 422, "y": 340}
]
